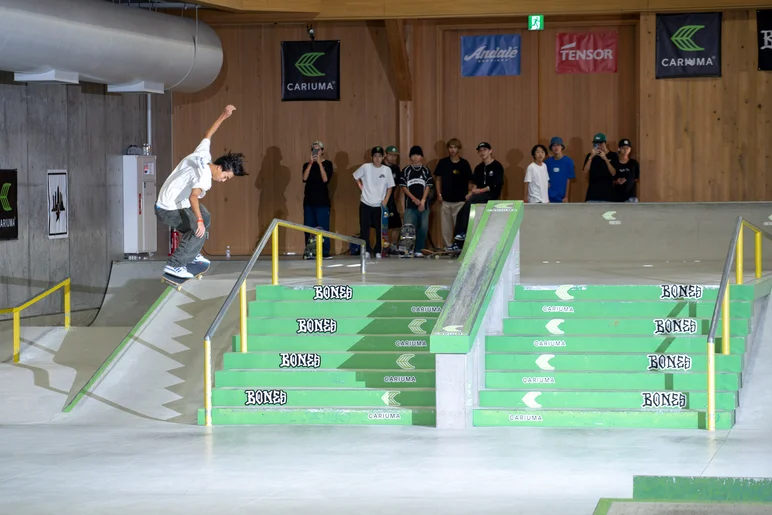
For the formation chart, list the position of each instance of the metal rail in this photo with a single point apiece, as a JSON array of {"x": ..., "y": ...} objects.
[
  {"x": 240, "y": 287},
  {"x": 16, "y": 311},
  {"x": 722, "y": 307}
]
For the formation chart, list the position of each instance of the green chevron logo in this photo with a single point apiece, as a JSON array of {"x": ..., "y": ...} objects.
[
  {"x": 4, "y": 196},
  {"x": 683, "y": 38},
  {"x": 305, "y": 64}
]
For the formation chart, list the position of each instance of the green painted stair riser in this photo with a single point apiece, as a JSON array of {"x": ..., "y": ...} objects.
[
  {"x": 703, "y": 489},
  {"x": 623, "y": 309},
  {"x": 583, "y": 399},
  {"x": 611, "y": 362},
  {"x": 324, "y": 378},
  {"x": 600, "y": 344},
  {"x": 419, "y": 326},
  {"x": 665, "y": 419},
  {"x": 335, "y": 343},
  {"x": 337, "y": 309},
  {"x": 351, "y": 293},
  {"x": 304, "y": 416},
  {"x": 326, "y": 360},
  {"x": 291, "y": 398},
  {"x": 632, "y": 326},
  {"x": 633, "y": 292},
  {"x": 643, "y": 381}
]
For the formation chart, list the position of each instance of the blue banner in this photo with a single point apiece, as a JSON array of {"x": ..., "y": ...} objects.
[{"x": 490, "y": 56}]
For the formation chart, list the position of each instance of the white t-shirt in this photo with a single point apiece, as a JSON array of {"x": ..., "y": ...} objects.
[
  {"x": 538, "y": 183},
  {"x": 192, "y": 172},
  {"x": 375, "y": 182}
]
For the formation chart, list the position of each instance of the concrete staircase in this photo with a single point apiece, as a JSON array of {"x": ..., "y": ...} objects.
[
  {"x": 602, "y": 355},
  {"x": 332, "y": 354}
]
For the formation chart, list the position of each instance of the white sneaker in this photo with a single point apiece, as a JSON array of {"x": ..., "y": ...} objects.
[
  {"x": 418, "y": 254},
  {"x": 367, "y": 255},
  {"x": 201, "y": 259},
  {"x": 178, "y": 271},
  {"x": 378, "y": 255}
]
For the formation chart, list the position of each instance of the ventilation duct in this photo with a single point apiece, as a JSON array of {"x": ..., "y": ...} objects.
[{"x": 130, "y": 50}]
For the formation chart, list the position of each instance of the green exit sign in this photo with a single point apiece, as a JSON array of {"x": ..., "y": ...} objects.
[{"x": 536, "y": 22}]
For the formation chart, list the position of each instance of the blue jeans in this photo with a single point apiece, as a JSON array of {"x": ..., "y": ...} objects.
[
  {"x": 318, "y": 217},
  {"x": 421, "y": 222}
]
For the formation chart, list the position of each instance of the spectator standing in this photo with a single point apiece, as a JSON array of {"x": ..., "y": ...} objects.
[
  {"x": 416, "y": 182},
  {"x": 487, "y": 180},
  {"x": 376, "y": 183},
  {"x": 317, "y": 173},
  {"x": 561, "y": 171},
  {"x": 452, "y": 177},
  {"x": 537, "y": 180},
  {"x": 391, "y": 159},
  {"x": 599, "y": 167},
  {"x": 628, "y": 174}
]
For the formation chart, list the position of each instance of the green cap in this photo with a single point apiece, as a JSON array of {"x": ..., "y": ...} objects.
[
  {"x": 599, "y": 138},
  {"x": 392, "y": 148}
]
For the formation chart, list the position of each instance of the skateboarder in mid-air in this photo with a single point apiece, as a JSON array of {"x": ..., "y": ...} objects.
[{"x": 178, "y": 200}]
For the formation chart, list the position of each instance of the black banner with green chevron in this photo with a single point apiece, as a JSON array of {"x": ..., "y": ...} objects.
[
  {"x": 688, "y": 45},
  {"x": 310, "y": 70},
  {"x": 9, "y": 205}
]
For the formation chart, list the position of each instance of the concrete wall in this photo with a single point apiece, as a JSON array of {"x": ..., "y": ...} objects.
[{"x": 77, "y": 128}]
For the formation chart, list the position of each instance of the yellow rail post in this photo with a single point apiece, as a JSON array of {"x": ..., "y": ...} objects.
[
  {"x": 243, "y": 316},
  {"x": 725, "y": 321},
  {"x": 712, "y": 386},
  {"x": 275, "y": 256},
  {"x": 758, "y": 254},
  {"x": 319, "y": 239},
  {"x": 16, "y": 335},
  {"x": 67, "y": 311},
  {"x": 739, "y": 257},
  {"x": 207, "y": 382}
]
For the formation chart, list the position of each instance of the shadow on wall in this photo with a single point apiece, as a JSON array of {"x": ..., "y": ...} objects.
[
  {"x": 514, "y": 173},
  {"x": 576, "y": 151},
  {"x": 272, "y": 181}
]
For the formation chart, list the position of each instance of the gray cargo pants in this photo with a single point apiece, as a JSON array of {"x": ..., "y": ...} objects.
[{"x": 184, "y": 220}]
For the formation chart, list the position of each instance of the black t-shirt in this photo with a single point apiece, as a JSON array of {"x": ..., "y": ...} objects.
[
  {"x": 601, "y": 183},
  {"x": 491, "y": 175},
  {"x": 630, "y": 171},
  {"x": 416, "y": 181},
  {"x": 317, "y": 193},
  {"x": 395, "y": 173},
  {"x": 455, "y": 178}
]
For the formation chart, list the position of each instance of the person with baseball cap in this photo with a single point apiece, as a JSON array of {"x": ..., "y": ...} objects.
[
  {"x": 487, "y": 182},
  {"x": 376, "y": 183},
  {"x": 628, "y": 174},
  {"x": 416, "y": 182},
  {"x": 317, "y": 173},
  {"x": 560, "y": 168},
  {"x": 600, "y": 169}
]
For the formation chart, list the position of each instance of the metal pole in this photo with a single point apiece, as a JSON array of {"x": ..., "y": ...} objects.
[
  {"x": 725, "y": 322},
  {"x": 711, "y": 386},
  {"x": 16, "y": 335},
  {"x": 207, "y": 382},
  {"x": 275, "y": 256},
  {"x": 243, "y": 316},
  {"x": 319, "y": 239},
  {"x": 758, "y": 254},
  {"x": 739, "y": 258},
  {"x": 67, "y": 311}
]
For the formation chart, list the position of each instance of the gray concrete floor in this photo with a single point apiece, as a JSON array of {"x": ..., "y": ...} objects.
[{"x": 111, "y": 460}]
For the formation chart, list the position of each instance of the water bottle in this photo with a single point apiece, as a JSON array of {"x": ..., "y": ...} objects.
[{"x": 228, "y": 252}]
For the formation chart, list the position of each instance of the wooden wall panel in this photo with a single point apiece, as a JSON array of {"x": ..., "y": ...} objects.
[
  {"x": 276, "y": 136},
  {"x": 706, "y": 139}
]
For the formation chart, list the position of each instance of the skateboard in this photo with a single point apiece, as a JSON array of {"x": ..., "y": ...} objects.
[
  {"x": 310, "y": 251},
  {"x": 406, "y": 246},
  {"x": 384, "y": 230},
  {"x": 436, "y": 254},
  {"x": 198, "y": 270}
]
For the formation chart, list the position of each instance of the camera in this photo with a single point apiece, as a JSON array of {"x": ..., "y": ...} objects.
[{"x": 315, "y": 152}]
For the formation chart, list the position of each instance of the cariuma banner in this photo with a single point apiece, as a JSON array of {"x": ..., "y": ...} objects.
[
  {"x": 310, "y": 70},
  {"x": 688, "y": 45}
]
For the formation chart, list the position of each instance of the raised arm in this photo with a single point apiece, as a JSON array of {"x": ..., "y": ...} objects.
[{"x": 216, "y": 125}]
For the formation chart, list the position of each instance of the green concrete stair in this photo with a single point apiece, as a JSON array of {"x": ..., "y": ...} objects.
[
  {"x": 338, "y": 354},
  {"x": 612, "y": 356}
]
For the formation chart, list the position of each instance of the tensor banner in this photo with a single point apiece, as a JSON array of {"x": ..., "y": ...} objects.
[
  {"x": 688, "y": 45},
  {"x": 586, "y": 52},
  {"x": 9, "y": 205},
  {"x": 310, "y": 70},
  {"x": 490, "y": 56}
]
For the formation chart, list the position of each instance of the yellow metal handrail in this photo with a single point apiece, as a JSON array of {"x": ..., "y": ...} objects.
[
  {"x": 736, "y": 252},
  {"x": 241, "y": 288},
  {"x": 18, "y": 309}
]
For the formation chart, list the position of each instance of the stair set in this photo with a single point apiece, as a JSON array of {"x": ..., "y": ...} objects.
[
  {"x": 569, "y": 356},
  {"x": 332, "y": 354}
]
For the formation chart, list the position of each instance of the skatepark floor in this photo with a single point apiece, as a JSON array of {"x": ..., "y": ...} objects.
[{"x": 133, "y": 447}]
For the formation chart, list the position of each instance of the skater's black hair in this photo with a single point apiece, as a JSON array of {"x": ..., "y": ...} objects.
[
  {"x": 533, "y": 150},
  {"x": 231, "y": 162}
]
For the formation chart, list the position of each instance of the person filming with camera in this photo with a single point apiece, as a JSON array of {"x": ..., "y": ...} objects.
[{"x": 317, "y": 173}]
